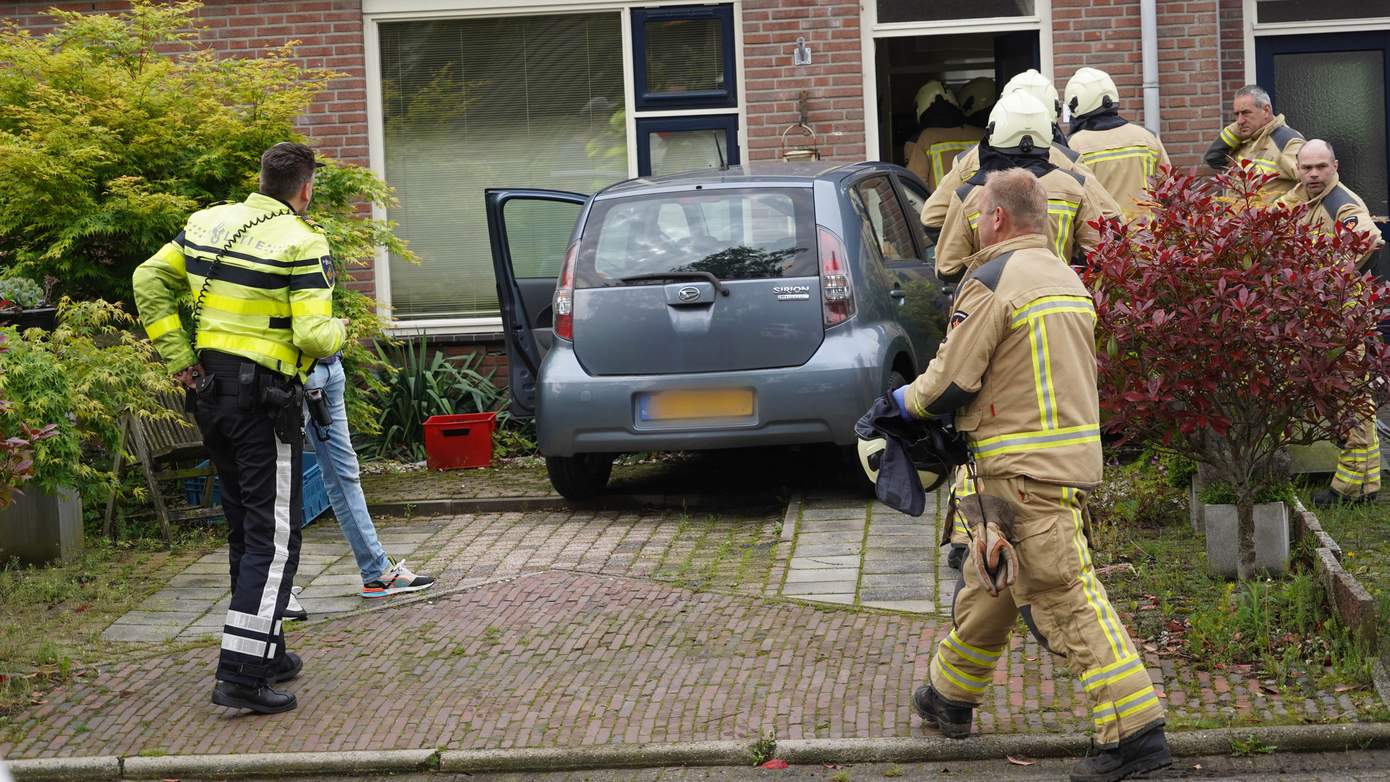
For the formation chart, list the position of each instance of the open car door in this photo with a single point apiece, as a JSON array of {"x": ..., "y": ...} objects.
[{"x": 529, "y": 231}]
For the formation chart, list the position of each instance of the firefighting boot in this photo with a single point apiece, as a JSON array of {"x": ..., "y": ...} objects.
[
  {"x": 1145, "y": 752},
  {"x": 262, "y": 699},
  {"x": 953, "y": 719},
  {"x": 1327, "y": 498},
  {"x": 956, "y": 557}
]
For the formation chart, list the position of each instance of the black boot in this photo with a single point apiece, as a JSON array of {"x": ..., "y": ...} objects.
[
  {"x": 953, "y": 719},
  {"x": 1327, "y": 498},
  {"x": 957, "y": 556},
  {"x": 289, "y": 667},
  {"x": 262, "y": 700},
  {"x": 1145, "y": 752}
]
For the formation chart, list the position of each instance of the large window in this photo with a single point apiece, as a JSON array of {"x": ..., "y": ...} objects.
[
  {"x": 1268, "y": 11},
  {"x": 528, "y": 101}
]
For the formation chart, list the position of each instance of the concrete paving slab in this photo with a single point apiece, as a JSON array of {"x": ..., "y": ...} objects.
[
  {"x": 331, "y": 605},
  {"x": 336, "y": 578},
  {"x": 823, "y": 550},
  {"x": 208, "y": 568},
  {"x": 208, "y": 594},
  {"x": 831, "y": 525},
  {"x": 818, "y": 512},
  {"x": 913, "y": 606},
  {"x": 347, "y": 588},
  {"x": 173, "y": 618},
  {"x": 200, "y": 580},
  {"x": 819, "y": 587},
  {"x": 879, "y": 594},
  {"x": 842, "y": 598},
  {"x": 878, "y": 540},
  {"x": 140, "y": 633},
  {"x": 895, "y": 580},
  {"x": 334, "y": 549},
  {"x": 795, "y": 576},
  {"x": 813, "y": 563},
  {"x": 822, "y": 538},
  {"x": 894, "y": 565}
]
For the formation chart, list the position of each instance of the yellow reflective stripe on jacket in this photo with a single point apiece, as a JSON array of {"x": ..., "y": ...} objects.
[
  {"x": 1063, "y": 213},
  {"x": 241, "y": 345},
  {"x": 324, "y": 308},
  {"x": 1148, "y": 154},
  {"x": 1048, "y": 305},
  {"x": 974, "y": 219},
  {"x": 1265, "y": 165},
  {"x": 1022, "y": 442},
  {"x": 268, "y": 307},
  {"x": 1230, "y": 138},
  {"x": 942, "y": 151},
  {"x": 1042, "y": 373},
  {"x": 163, "y": 326}
]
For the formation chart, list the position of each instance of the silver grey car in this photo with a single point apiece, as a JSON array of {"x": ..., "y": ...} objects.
[{"x": 766, "y": 304}]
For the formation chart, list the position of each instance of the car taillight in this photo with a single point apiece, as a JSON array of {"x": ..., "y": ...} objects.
[
  {"x": 837, "y": 296},
  {"x": 564, "y": 296}
]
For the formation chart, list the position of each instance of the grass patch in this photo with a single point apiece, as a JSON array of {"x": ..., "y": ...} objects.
[
  {"x": 1363, "y": 532},
  {"x": 1280, "y": 631},
  {"x": 51, "y": 618}
]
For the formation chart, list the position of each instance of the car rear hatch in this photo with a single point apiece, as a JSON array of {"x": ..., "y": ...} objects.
[{"x": 709, "y": 279}]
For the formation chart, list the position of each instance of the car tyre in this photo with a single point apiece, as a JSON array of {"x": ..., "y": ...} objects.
[
  {"x": 859, "y": 482},
  {"x": 580, "y": 477}
]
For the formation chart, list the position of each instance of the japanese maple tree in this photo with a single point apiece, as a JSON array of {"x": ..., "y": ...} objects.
[{"x": 1230, "y": 329}]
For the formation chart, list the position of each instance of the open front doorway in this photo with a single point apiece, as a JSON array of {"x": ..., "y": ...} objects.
[{"x": 903, "y": 64}]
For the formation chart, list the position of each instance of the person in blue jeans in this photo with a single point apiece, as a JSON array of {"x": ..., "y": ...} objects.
[{"x": 381, "y": 575}]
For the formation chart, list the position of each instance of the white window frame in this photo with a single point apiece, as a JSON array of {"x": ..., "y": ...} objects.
[
  {"x": 1252, "y": 29},
  {"x": 870, "y": 30},
  {"x": 377, "y": 11}
]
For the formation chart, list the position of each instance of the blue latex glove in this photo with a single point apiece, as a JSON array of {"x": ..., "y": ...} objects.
[{"x": 900, "y": 396}]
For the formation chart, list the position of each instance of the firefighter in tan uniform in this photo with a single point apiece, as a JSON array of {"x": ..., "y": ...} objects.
[
  {"x": 968, "y": 163},
  {"x": 1331, "y": 203},
  {"x": 943, "y": 136},
  {"x": 1018, "y": 371},
  {"x": 1123, "y": 156},
  {"x": 1259, "y": 136}
]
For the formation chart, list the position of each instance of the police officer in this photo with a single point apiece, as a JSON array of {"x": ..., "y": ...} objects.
[
  {"x": 1124, "y": 156},
  {"x": 1018, "y": 372},
  {"x": 1260, "y": 137},
  {"x": 1331, "y": 204},
  {"x": 261, "y": 280},
  {"x": 968, "y": 162},
  {"x": 944, "y": 134},
  {"x": 975, "y": 98}
]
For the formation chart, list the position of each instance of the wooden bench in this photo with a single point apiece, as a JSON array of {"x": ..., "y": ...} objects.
[{"x": 165, "y": 449}]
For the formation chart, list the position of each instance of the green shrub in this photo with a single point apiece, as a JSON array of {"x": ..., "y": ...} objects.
[
  {"x": 1221, "y": 493},
  {"x": 82, "y": 376},
  {"x": 1140, "y": 493},
  {"x": 118, "y": 126}
]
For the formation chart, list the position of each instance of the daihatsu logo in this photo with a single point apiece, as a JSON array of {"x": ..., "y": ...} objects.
[{"x": 688, "y": 293}]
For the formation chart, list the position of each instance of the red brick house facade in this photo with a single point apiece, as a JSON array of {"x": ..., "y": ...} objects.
[{"x": 445, "y": 97}]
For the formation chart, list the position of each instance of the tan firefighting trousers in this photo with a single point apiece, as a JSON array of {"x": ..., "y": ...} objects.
[
  {"x": 961, "y": 486},
  {"x": 1065, "y": 603},
  {"x": 1358, "y": 467}
]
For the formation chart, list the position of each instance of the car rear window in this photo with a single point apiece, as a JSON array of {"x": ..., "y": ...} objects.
[{"x": 733, "y": 234}]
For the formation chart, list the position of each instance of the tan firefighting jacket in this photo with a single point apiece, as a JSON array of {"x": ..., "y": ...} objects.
[
  {"x": 933, "y": 152},
  {"x": 1074, "y": 199},
  {"x": 1018, "y": 367},
  {"x": 1273, "y": 150},
  {"x": 965, "y": 166},
  {"x": 1123, "y": 159},
  {"x": 1336, "y": 204}
]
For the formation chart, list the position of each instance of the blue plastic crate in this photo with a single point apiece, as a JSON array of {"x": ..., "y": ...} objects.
[{"x": 314, "y": 497}]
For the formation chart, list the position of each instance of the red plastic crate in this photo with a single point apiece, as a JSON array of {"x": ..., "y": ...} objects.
[{"x": 459, "y": 441}]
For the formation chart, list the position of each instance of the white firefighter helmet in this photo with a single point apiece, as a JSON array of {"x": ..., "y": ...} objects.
[
  {"x": 1037, "y": 85},
  {"x": 928, "y": 94},
  {"x": 1019, "y": 121},
  {"x": 871, "y": 451},
  {"x": 1089, "y": 89},
  {"x": 976, "y": 95}
]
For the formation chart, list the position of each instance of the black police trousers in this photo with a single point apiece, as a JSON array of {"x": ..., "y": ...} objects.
[{"x": 260, "y": 476}]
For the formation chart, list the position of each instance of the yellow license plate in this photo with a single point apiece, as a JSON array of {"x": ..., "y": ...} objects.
[{"x": 711, "y": 403}]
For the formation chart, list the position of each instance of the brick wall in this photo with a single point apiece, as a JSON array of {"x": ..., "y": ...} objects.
[
  {"x": 330, "y": 36},
  {"x": 1232, "y": 48},
  {"x": 1105, "y": 34},
  {"x": 834, "y": 81}
]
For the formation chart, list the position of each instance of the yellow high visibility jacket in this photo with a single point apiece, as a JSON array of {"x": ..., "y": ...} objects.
[
  {"x": 270, "y": 299},
  {"x": 1018, "y": 367}
]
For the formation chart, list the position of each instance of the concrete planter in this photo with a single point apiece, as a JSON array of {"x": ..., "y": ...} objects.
[
  {"x": 39, "y": 528},
  {"x": 1223, "y": 538}
]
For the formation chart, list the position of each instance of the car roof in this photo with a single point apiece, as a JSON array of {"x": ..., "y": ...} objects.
[{"x": 751, "y": 174}]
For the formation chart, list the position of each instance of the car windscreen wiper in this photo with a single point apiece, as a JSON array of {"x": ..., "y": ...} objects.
[{"x": 706, "y": 276}]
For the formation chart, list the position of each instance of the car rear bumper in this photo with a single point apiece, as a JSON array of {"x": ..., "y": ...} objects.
[{"x": 816, "y": 402}]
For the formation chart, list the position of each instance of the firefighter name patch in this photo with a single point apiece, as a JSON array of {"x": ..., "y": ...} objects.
[
  {"x": 330, "y": 272},
  {"x": 958, "y": 317}
]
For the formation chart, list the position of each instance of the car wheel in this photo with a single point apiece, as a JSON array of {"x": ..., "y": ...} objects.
[
  {"x": 580, "y": 477},
  {"x": 896, "y": 380}
]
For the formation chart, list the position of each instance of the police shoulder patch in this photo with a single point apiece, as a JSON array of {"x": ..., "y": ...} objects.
[
  {"x": 330, "y": 272},
  {"x": 958, "y": 317}
]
